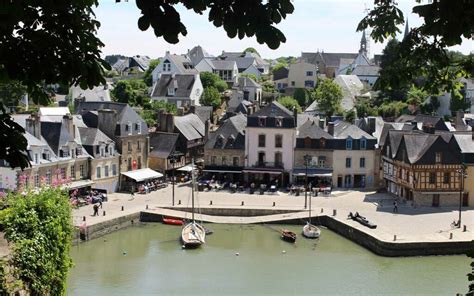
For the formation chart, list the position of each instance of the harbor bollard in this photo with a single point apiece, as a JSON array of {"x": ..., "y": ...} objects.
[
  {"x": 103, "y": 213},
  {"x": 322, "y": 210},
  {"x": 273, "y": 203},
  {"x": 451, "y": 235},
  {"x": 210, "y": 203},
  {"x": 242, "y": 203},
  {"x": 147, "y": 207},
  {"x": 395, "y": 237},
  {"x": 334, "y": 212},
  {"x": 122, "y": 208},
  {"x": 464, "y": 229},
  {"x": 179, "y": 202},
  {"x": 84, "y": 218}
]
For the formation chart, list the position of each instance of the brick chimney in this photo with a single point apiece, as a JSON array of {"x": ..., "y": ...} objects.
[
  {"x": 107, "y": 122},
  {"x": 331, "y": 128},
  {"x": 69, "y": 125},
  {"x": 169, "y": 123},
  {"x": 33, "y": 125},
  {"x": 295, "y": 115}
]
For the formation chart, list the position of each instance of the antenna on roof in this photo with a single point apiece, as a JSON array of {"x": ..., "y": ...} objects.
[{"x": 367, "y": 32}]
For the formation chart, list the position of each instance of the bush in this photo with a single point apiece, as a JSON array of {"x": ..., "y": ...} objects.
[
  {"x": 289, "y": 103},
  {"x": 211, "y": 97}
]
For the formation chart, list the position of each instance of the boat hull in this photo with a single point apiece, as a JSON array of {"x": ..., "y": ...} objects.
[
  {"x": 193, "y": 235},
  {"x": 171, "y": 221},
  {"x": 311, "y": 231},
  {"x": 288, "y": 236}
]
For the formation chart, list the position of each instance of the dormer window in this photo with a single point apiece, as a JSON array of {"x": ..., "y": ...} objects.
[
  {"x": 307, "y": 142},
  {"x": 171, "y": 91},
  {"x": 363, "y": 143},
  {"x": 230, "y": 141},
  {"x": 219, "y": 141},
  {"x": 138, "y": 127},
  {"x": 349, "y": 143},
  {"x": 128, "y": 128},
  {"x": 262, "y": 121},
  {"x": 439, "y": 157},
  {"x": 166, "y": 66},
  {"x": 322, "y": 143},
  {"x": 279, "y": 121}
]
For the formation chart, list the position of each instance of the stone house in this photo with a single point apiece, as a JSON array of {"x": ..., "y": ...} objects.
[{"x": 252, "y": 91}]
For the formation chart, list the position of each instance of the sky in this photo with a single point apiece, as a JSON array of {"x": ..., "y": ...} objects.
[{"x": 325, "y": 25}]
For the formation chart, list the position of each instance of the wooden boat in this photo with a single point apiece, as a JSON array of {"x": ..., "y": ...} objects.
[
  {"x": 172, "y": 221},
  {"x": 193, "y": 234},
  {"x": 362, "y": 220},
  {"x": 309, "y": 230},
  {"x": 288, "y": 236}
]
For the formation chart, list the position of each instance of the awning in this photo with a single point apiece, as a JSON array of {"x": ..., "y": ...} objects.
[
  {"x": 221, "y": 171},
  {"x": 142, "y": 174},
  {"x": 186, "y": 168},
  {"x": 78, "y": 184},
  {"x": 313, "y": 172},
  {"x": 262, "y": 172}
]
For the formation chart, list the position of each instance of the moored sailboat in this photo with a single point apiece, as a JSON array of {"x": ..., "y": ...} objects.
[
  {"x": 310, "y": 230},
  {"x": 193, "y": 234}
]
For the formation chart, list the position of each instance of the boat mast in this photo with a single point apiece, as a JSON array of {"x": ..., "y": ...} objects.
[
  {"x": 310, "y": 208},
  {"x": 192, "y": 188}
]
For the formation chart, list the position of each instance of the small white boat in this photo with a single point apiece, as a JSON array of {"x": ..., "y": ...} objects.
[
  {"x": 311, "y": 231},
  {"x": 193, "y": 235}
]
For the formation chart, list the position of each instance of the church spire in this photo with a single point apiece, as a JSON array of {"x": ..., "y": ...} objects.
[
  {"x": 363, "y": 44},
  {"x": 407, "y": 30}
]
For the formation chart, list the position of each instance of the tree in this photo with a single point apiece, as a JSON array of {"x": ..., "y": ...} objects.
[
  {"x": 279, "y": 66},
  {"x": 251, "y": 76},
  {"x": 364, "y": 107},
  {"x": 302, "y": 96},
  {"x": 350, "y": 116},
  {"x": 11, "y": 93},
  {"x": 416, "y": 96},
  {"x": 289, "y": 103},
  {"x": 252, "y": 50},
  {"x": 392, "y": 109},
  {"x": 211, "y": 97},
  {"x": 329, "y": 97},
  {"x": 209, "y": 79},
  {"x": 131, "y": 91},
  {"x": 147, "y": 77}
]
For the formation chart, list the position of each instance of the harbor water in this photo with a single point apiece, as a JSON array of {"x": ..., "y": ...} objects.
[{"x": 252, "y": 260}]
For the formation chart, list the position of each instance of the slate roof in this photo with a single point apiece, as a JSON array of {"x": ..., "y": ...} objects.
[
  {"x": 465, "y": 142},
  {"x": 244, "y": 82},
  {"x": 190, "y": 126},
  {"x": 162, "y": 145},
  {"x": 243, "y": 60},
  {"x": 182, "y": 84},
  {"x": 363, "y": 123},
  {"x": 364, "y": 70},
  {"x": 182, "y": 62},
  {"x": 343, "y": 130},
  {"x": 303, "y": 118},
  {"x": 428, "y": 119},
  {"x": 222, "y": 64},
  {"x": 280, "y": 73},
  {"x": 238, "y": 104},
  {"x": 311, "y": 129},
  {"x": 230, "y": 135},
  {"x": 273, "y": 110},
  {"x": 93, "y": 136},
  {"x": 98, "y": 93},
  {"x": 203, "y": 112},
  {"x": 197, "y": 53},
  {"x": 329, "y": 59},
  {"x": 56, "y": 135}
]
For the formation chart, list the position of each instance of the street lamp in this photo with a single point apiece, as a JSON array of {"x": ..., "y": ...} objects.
[
  {"x": 173, "y": 161},
  {"x": 307, "y": 159},
  {"x": 462, "y": 174}
]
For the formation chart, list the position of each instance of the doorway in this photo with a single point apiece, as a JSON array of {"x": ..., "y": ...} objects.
[
  {"x": 465, "y": 200},
  {"x": 435, "y": 200}
]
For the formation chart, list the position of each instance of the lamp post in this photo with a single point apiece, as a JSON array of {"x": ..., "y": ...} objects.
[
  {"x": 306, "y": 158},
  {"x": 173, "y": 161},
  {"x": 462, "y": 175}
]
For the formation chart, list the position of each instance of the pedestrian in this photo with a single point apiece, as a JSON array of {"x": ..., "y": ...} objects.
[
  {"x": 96, "y": 210},
  {"x": 395, "y": 207}
]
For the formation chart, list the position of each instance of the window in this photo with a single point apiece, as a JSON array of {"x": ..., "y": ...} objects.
[
  {"x": 139, "y": 165},
  {"x": 128, "y": 128},
  {"x": 114, "y": 169},
  {"x": 349, "y": 143},
  {"x": 48, "y": 177},
  {"x": 129, "y": 147},
  {"x": 292, "y": 83},
  {"x": 138, "y": 127},
  {"x": 224, "y": 160},
  {"x": 97, "y": 172},
  {"x": 322, "y": 143},
  {"x": 37, "y": 180},
  {"x": 307, "y": 142},
  {"x": 102, "y": 151},
  {"x": 36, "y": 158},
  {"x": 278, "y": 159},
  {"x": 322, "y": 161},
  {"x": 446, "y": 178},
  {"x": 438, "y": 157},
  {"x": 78, "y": 151},
  {"x": 261, "y": 158},
  {"x": 166, "y": 66},
  {"x": 97, "y": 150},
  {"x": 235, "y": 161},
  {"x": 213, "y": 160},
  {"x": 111, "y": 150},
  {"x": 73, "y": 154},
  {"x": 63, "y": 173},
  {"x": 432, "y": 178},
  {"x": 348, "y": 162},
  {"x": 261, "y": 121},
  {"x": 309, "y": 83},
  {"x": 362, "y": 162},
  {"x": 81, "y": 171},
  {"x": 73, "y": 172},
  {"x": 278, "y": 141},
  {"x": 279, "y": 121},
  {"x": 261, "y": 140},
  {"x": 363, "y": 143},
  {"x": 106, "y": 171},
  {"x": 139, "y": 148},
  {"x": 309, "y": 73}
]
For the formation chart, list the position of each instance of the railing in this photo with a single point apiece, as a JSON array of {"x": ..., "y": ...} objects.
[{"x": 263, "y": 164}]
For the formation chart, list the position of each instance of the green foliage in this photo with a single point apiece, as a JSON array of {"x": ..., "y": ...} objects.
[
  {"x": 211, "y": 97},
  {"x": 290, "y": 103},
  {"x": 252, "y": 50},
  {"x": 12, "y": 150},
  {"x": 350, "y": 116},
  {"x": 251, "y": 76},
  {"x": 416, "y": 96},
  {"x": 302, "y": 96},
  {"x": 364, "y": 107},
  {"x": 111, "y": 74},
  {"x": 268, "y": 86},
  {"x": 149, "y": 111},
  {"x": 147, "y": 77},
  {"x": 11, "y": 93},
  {"x": 209, "y": 79},
  {"x": 131, "y": 91},
  {"x": 279, "y": 66},
  {"x": 470, "y": 276},
  {"x": 238, "y": 18},
  {"x": 458, "y": 101},
  {"x": 112, "y": 59},
  {"x": 392, "y": 109},
  {"x": 329, "y": 97},
  {"x": 40, "y": 227}
]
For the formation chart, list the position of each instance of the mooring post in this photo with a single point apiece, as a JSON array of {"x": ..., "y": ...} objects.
[
  {"x": 334, "y": 212},
  {"x": 147, "y": 207},
  {"x": 322, "y": 210},
  {"x": 210, "y": 203},
  {"x": 103, "y": 213},
  {"x": 273, "y": 203},
  {"x": 451, "y": 235},
  {"x": 84, "y": 218},
  {"x": 242, "y": 203},
  {"x": 122, "y": 208},
  {"x": 464, "y": 229},
  {"x": 179, "y": 202},
  {"x": 394, "y": 237}
]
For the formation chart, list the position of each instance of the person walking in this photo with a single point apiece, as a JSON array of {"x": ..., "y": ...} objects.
[
  {"x": 395, "y": 207},
  {"x": 96, "y": 210}
]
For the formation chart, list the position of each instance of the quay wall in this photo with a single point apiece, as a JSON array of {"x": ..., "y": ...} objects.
[{"x": 234, "y": 212}]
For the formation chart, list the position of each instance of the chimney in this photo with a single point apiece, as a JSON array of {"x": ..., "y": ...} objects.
[
  {"x": 167, "y": 52},
  {"x": 206, "y": 130},
  {"x": 169, "y": 123},
  {"x": 322, "y": 123},
  {"x": 67, "y": 122},
  {"x": 107, "y": 122},
  {"x": 180, "y": 111},
  {"x": 192, "y": 109},
  {"x": 429, "y": 129},
  {"x": 371, "y": 125},
  {"x": 331, "y": 128},
  {"x": 459, "y": 118},
  {"x": 33, "y": 125},
  {"x": 295, "y": 115}
]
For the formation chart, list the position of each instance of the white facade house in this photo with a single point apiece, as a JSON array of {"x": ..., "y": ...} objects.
[
  {"x": 181, "y": 90},
  {"x": 252, "y": 91},
  {"x": 227, "y": 70},
  {"x": 173, "y": 64},
  {"x": 302, "y": 75},
  {"x": 252, "y": 69}
]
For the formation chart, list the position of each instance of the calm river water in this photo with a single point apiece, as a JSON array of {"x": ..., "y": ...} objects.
[{"x": 148, "y": 260}]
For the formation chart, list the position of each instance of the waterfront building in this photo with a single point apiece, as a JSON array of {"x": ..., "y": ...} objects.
[
  {"x": 224, "y": 151},
  {"x": 270, "y": 138},
  {"x": 466, "y": 144},
  {"x": 422, "y": 166}
]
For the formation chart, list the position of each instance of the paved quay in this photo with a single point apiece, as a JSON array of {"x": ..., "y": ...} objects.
[{"x": 410, "y": 224}]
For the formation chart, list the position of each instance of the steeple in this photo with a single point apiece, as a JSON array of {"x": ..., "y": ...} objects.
[
  {"x": 363, "y": 44},
  {"x": 407, "y": 29}
]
